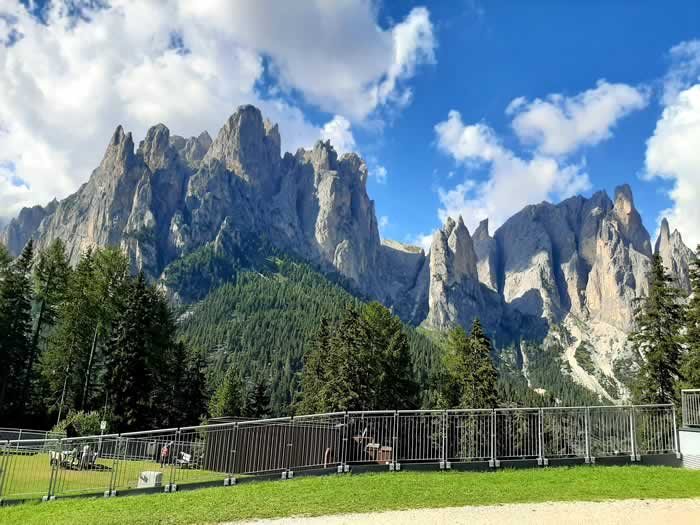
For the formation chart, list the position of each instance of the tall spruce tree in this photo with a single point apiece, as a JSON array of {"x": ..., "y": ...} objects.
[
  {"x": 65, "y": 360},
  {"x": 469, "y": 378},
  {"x": 51, "y": 277},
  {"x": 258, "y": 399},
  {"x": 691, "y": 361},
  {"x": 188, "y": 396},
  {"x": 228, "y": 399},
  {"x": 391, "y": 359},
  {"x": 657, "y": 339},
  {"x": 137, "y": 374},
  {"x": 480, "y": 392},
  {"x": 15, "y": 333},
  {"x": 362, "y": 363}
]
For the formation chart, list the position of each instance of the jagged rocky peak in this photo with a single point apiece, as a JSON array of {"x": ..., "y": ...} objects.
[
  {"x": 120, "y": 146},
  {"x": 156, "y": 150},
  {"x": 630, "y": 220},
  {"x": 486, "y": 250},
  {"x": 461, "y": 247},
  {"x": 676, "y": 256},
  {"x": 249, "y": 147},
  {"x": 193, "y": 149}
]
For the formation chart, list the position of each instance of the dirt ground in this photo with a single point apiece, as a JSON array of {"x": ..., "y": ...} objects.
[{"x": 636, "y": 512}]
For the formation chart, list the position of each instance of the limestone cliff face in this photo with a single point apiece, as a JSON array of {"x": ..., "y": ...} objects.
[
  {"x": 486, "y": 250},
  {"x": 19, "y": 230},
  {"x": 622, "y": 263},
  {"x": 676, "y": 256},
  {"x": 456, "y": 297}
]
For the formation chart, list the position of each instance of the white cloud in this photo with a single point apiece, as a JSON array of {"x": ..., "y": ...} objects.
[
  {"x": 339, "y": 132},
  {"x": 672, "y": 153},
  {"x": 379, "y": 173},
  {"x": 512, "y": 183},
  {"x": 684, "y": 70},
  {"x": 67, "y": 82},
  {"x": 383, "y": 223},
  {"x": 559, "y": 125}
]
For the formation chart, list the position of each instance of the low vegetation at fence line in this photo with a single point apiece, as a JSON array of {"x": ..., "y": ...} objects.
[{"x": 366, "y": 493}]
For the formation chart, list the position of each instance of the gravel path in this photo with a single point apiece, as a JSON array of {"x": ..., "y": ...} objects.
[{"x": 635, "y": 512}]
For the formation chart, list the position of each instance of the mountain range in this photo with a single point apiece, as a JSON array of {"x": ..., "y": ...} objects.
[{"x": 566, "y": 275}]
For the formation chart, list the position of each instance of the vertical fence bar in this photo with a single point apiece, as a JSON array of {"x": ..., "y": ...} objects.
[
  {"x": 3, "y": 469},
  {"x": 676, "y": 447},
  {"x": 344, "y": 454},
  {"x": 395, "y": 465},
  {"x": 494, "y": 438},
  {"x": 444, "y": 464},
  {"x": 587, "y": 424},
  {"x": 540, "y": 432},
  {"x": 632, "y": 435}
]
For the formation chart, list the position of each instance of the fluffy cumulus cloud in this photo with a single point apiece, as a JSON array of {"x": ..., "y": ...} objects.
[
  {"x": 512, "y": 182},
  {"x": 672, "y": 152},
  {"x": 66, "y": 81},
  {"x": 559, "y": 125},
  {"x": 339, "y": 132}
]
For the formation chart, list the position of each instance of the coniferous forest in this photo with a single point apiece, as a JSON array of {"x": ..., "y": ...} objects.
[{"x": 274, "y": 336}]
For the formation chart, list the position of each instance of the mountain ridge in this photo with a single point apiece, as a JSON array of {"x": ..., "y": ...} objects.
[{"x": 581, "y": 261}]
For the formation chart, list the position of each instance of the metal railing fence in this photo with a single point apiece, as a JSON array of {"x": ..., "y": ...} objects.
[
  {"x": 690, "y": 400},
  {"x": 7, "y": 434},
  {"x": 166, "y": 459}
]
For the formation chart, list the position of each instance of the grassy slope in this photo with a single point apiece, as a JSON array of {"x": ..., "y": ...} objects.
[{"x": 364, "y": 493}]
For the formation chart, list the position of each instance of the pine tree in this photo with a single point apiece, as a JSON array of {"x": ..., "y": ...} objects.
[
  {"x": 258, "y": 399},
  {"x": 691, "y": 361},
  {"x": 316, "y": 365},
  {"x": 51, "y": 276},
  {"x": 228, "y": 398},
  {"x": 129, "y": 378},
  {"x": 391, "y": 359},
  {"x": 15, "y": 332},
  {"x": 481, "y": 392},
  {"x": 451, "y": 378},
  {"x": 65, "y": 361},
  {"x": 470, "y": 377},
  {"x": 188, "y": 399},
  {"x": 657, "y": 339}
]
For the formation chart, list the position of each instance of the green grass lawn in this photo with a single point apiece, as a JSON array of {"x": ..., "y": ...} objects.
[
  {"x": 28, "y": 476},
  {"x": 367, "y": 492}
]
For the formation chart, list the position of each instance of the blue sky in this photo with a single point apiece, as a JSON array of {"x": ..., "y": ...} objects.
[{"x": 380, "y": 78}]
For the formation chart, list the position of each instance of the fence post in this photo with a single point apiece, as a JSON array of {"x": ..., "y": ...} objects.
[
  {"x": 3, "y": 469},
  {"x": 394, "y": 465},
  {"x": 587, "y": 426},
  {"x": 232, "y": 455},
  {"x": 541, "y": 460},
  {"x": 444, "y": 464},
  {"x": 172, "y": 456},
  {"x": 55, "y": 466},
  {"x": 344, "y": 467},
  {"x": 633, "y": 440},
  {"x": 112, "y": 490},
  {"x": 675, "y": 433},
  {"x": 494, "y": 463},
  {"x": 287, "y": 473}
]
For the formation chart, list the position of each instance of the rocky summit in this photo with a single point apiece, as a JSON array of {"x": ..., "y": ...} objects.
[{"x": 566, "y": 273}]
